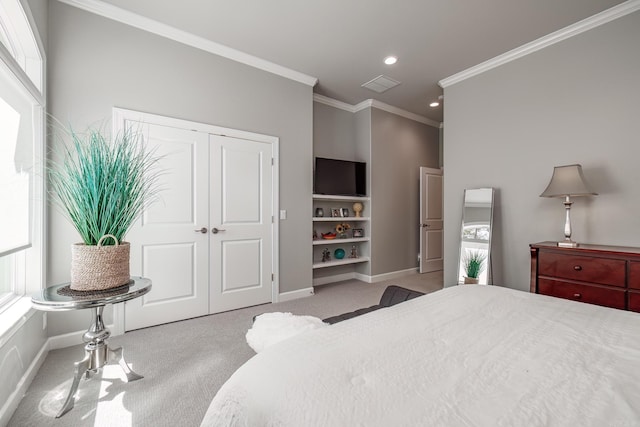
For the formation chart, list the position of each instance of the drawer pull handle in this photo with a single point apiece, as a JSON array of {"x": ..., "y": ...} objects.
[
  {"x": 577, "y": 267},
  {"x": 577, "y": 295}
]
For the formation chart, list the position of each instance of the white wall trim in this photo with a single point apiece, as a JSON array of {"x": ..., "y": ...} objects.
[
  {"x": 319, "y": 281},
  {"x": 10, "y": 406},
  {"x": 333, "y": 103},
  {"x": 138, "y": 21},
  {"x": 579, "y": 27},
  {"x": 387, "y": 276},
  {"x": 400, "y": 112},
  {"x": 376, "y": 104},
  {"x": 291, "y": 295},
  {"x": 363, "y": 277}
]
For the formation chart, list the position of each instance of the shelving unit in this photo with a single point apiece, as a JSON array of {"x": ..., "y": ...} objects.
[
  {"x": 338, "y": 262},
  {"x": 327, "y": 223}
]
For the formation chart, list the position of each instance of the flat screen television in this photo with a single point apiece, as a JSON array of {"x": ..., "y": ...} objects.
[{"x": 340, "y": 177}]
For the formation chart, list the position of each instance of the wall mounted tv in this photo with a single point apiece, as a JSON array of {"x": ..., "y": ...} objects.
[{"x": 340, "y": 177}]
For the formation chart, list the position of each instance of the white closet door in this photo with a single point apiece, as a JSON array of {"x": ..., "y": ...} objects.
[
  {"x": 241, "y": 208},
  {"x": 166, "y": 245}
]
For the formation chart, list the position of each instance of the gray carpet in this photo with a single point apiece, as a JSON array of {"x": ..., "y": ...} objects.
[{"x": 184, "y": 363}]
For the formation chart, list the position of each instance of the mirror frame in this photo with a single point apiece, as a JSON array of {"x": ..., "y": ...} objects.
[{"x": 488, "y": 267}]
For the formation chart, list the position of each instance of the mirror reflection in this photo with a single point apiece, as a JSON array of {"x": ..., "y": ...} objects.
[{"x": 474, "y": 265}]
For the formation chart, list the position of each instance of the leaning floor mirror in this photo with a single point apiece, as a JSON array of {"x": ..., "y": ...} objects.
[{"x": 474, "y": 265}]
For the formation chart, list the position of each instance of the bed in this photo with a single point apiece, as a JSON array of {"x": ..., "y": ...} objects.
[{"x": 463, "y": 356}]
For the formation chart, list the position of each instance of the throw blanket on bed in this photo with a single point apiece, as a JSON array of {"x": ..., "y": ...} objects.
[{"x": 463, "y": 356}]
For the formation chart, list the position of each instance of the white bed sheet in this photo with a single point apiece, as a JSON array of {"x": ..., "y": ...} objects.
[{"x": 464, "y": 356}]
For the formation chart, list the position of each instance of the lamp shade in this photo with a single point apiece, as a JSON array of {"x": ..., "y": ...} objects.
[{"x": 567, "y": 181}]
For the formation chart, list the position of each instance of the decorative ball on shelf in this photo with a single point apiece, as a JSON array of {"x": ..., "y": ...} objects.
[
  {"x": 357, "y": 208},
  {"x": 339, "y": 253}
]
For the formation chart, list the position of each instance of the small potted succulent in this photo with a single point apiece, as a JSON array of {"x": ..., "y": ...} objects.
[
  {"x": 474, "y": 265},
  {"x": 102, "y": 186}
]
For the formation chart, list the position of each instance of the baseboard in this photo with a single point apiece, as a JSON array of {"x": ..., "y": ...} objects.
[
  {"x": 69, "y": 339},
  {"x": 319, "y": 281},
  {"x": 386, "y": 276},
  {"x": 363, "y": 277},
  {"x": 300, "y": 293},
  {"x": 10, "y": 406}
]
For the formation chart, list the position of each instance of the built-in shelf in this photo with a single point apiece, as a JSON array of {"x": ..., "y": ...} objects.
[
  {"x": 340, "y": 218},
  {"x": 339, "y": 241},
  {"x": 343, "y": 198},
  {"x": 343, "y": 261},
  {"x": 323, "y": 224}
]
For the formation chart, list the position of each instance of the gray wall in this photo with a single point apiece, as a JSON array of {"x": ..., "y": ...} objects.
[
  {"x": 333, "y": 133},
  {"x": 399, "y": 147},
  {"x": 573, "y": 102},
  {"x": 96, "y": 64}
]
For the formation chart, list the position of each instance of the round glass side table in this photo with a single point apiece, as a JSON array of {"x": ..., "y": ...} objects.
[{"x": 97, "y": 352}]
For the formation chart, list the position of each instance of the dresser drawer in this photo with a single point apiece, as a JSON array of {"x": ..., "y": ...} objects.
[
  {"x": 634, "y": 301},
  {"x": 583, "y": 268},
  {"x": 609, "y": 297},
  {"x": 634, "y": 275}
]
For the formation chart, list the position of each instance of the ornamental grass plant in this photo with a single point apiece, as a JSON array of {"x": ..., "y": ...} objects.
[
  {"x": 474, "y": 263},
  {"x": 101, "y": 185}
]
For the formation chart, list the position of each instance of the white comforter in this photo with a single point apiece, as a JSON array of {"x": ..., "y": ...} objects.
[{"x": 464, "y": 356}]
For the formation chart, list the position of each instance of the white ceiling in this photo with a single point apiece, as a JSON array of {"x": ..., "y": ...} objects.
[{"x": 343, "y": 42}]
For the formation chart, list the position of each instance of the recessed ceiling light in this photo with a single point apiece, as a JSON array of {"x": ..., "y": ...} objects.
[
  {"x": 434, "y": 104},
  {"x": 390, "y": 60}
]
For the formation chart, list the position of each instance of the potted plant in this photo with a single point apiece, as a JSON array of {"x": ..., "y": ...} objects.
[
  {"x": 474, "y": 265},
  {"x": 102, "y": 186}
]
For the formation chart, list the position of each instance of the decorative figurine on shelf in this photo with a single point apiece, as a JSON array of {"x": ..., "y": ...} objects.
[
  {"x": 326, "y": 255},
  {"x": 319, "y": 212},
  {"x": 315, "y": 235},
  {"x": 354, "y": 252},
  {"x": 341, "y": 230},
  {"x": 357, "y": 208}
]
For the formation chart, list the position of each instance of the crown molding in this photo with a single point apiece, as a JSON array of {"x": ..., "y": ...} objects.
[
  {"x": 579, "y": 27},
  {"x": 132, "y": 19},
  {"x": 333, "y": 103},
  {"x": 375, "y": 104},
  {"x": 400, "y": 112}
]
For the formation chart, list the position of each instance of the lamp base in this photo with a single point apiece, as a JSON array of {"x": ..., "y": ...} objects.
[{"x": 568, "y": 244}]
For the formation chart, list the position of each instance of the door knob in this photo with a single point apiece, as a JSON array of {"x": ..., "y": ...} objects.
[
  {"x": 215, "y": 230},
  {"x": 202, "y": 230}
]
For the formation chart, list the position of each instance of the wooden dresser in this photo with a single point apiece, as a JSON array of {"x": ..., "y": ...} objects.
[{"x": 595, "y": 274}]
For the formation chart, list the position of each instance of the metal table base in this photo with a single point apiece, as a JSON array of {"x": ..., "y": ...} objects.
[{"x": 96, "y": 354}]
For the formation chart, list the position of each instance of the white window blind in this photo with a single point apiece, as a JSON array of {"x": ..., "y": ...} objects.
[{"x": 16, "y": 165}]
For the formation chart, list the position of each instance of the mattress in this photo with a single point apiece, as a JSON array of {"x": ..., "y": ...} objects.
[{"x": 463, "y": 356}]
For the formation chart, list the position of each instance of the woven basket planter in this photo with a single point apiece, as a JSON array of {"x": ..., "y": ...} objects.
[{"x": 96, "y": 268}]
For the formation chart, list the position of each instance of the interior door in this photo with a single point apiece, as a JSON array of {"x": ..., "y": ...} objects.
[
  {"x": 167, "y": 244},
  {"x": 242, "y": 218},
  {"x": 431, "y": 220}
]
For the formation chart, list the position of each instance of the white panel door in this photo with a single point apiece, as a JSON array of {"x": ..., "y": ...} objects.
[
  {"x": 166, "y": 244},
  {"x": 241, "y": 210},
  {"x": 431, "y": 221}
]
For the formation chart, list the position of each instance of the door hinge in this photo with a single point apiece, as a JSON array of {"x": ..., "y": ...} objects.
[
  {"x": 272, "y": 161},
  {"x": 273, "y": 277}
]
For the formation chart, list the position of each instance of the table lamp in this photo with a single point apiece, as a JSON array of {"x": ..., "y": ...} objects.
[{"x": 567, "y": 181}]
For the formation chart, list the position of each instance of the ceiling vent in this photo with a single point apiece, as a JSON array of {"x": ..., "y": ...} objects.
[{"x": 381, "y": 84}]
